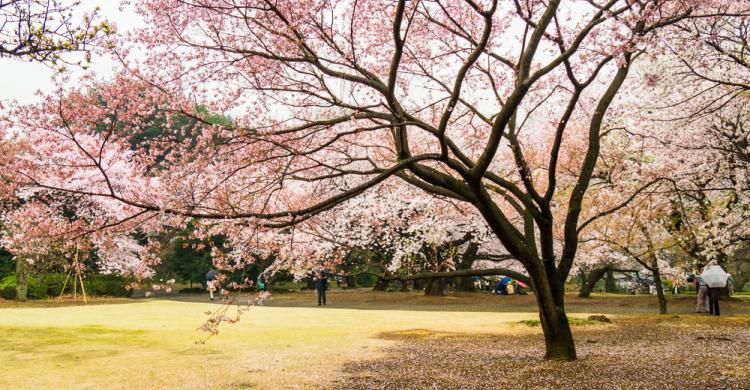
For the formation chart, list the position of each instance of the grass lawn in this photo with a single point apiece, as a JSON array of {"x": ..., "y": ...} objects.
[{"x": 150, "y": 343}]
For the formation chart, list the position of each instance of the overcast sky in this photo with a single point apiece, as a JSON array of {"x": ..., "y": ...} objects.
[{"x": 20, "y": 80}]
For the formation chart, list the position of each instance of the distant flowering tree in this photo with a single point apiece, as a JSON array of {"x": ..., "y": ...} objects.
[
  {"x": 410, "y": 233},
  {"x": 640, "y": 232},
  {"x": 330, "y": 99},
  {"x": 702, "y": 101}
]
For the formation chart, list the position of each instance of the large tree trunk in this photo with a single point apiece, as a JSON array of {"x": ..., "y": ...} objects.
[
  {"x": 310, "y": 283},
  {"x": 609, "y": 284},
  {"x": 351, "y": 281},
  {"x": 587, "y": 285},
  {"x": 550, "y": 296},
  {"x": 741, "y": 282},
  {"x": 22, "y": 279},
  {"x": 557, "y": 335},
  {"x": 381, "y": 285},
  {"x": 435, "y": 287},
  {"x": 466, "y": 283},
  {"x": 654, "y": 260},
  {"x": 660, "y": 291}
]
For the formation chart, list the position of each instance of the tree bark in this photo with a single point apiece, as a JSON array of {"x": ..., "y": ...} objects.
[
  {"x": 587, "y": 285},
  {"x": 660, "y": 290},
  {"x": 351, "y": 281},
  {"x": 654, "y": 268},
  {"x": 404, "y": 286},
  {"x": 22, "y": 279},
  {"x": 558, "y": 337},
  {"x": 466, "y": 283},
  {"x": 381, "y": 285},
  {"x": 609, "y": 284},
  {"x": 435, "y": 287}
]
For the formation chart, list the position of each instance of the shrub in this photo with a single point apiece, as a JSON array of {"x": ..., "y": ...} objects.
[
  {"x": 95, "y": 286},
  {"x": 191, "y": 290},
  {"x": 117, "y": 289},
  {"x": 55, "y": 282},
  {"x": 8, "y": 293},
  {"x": 107, "y": 285},
  {"x": 111, "y": 285},
  {"x": 36, "y": 290},
  {"x": 7, "y": 265},
  {"x": 366, "y": 280}
]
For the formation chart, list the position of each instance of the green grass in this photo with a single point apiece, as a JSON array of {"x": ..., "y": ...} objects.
[{"x": 151, "y": 344}]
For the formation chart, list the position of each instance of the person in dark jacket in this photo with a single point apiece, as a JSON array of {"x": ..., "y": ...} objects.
[
  {"x": 713, "y": 300},
  {"x": 321, "y": 285}
]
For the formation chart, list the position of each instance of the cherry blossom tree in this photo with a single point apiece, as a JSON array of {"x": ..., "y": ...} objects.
[
  {"x": 45, "y": 233},
  {"x": 412, "y": 232},
  {"x": 36, "y": 240},
  {"x": 639, "y": 231},
  {"x": 330, "y": 99},
  {"x": 594, "y": 261},
  {"x": 702, "y": 101}
]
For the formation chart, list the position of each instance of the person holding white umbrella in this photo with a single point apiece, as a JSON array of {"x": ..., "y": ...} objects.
[{"x": 716, "y": 279}]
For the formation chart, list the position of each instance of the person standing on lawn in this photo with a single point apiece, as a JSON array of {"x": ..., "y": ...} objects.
[
  {"x": 321, "y": 285},
  {"x": 714, "y": 290},
  {"x": 211, "y": 283},
  {"x": 713, "y": 300},
  {"x": 702, "y": 297}
]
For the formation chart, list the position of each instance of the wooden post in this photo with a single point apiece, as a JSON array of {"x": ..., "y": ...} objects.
[
  {"x": 77, "y": 278},
  {"x": 65, "y": 284}
]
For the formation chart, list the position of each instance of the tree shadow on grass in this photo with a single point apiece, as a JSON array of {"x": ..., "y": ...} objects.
[{"x": 69, "y": 343}]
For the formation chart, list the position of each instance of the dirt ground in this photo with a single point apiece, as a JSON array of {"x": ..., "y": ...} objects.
[{"x": 644, "y": 351}]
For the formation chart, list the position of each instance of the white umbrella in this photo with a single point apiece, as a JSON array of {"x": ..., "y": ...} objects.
[{"x": 715, "y": 276}]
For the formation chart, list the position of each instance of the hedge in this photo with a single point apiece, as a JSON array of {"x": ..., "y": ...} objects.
[
  {"x": 37, "y": 288},
  {"x": 111, "y": 285}
]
